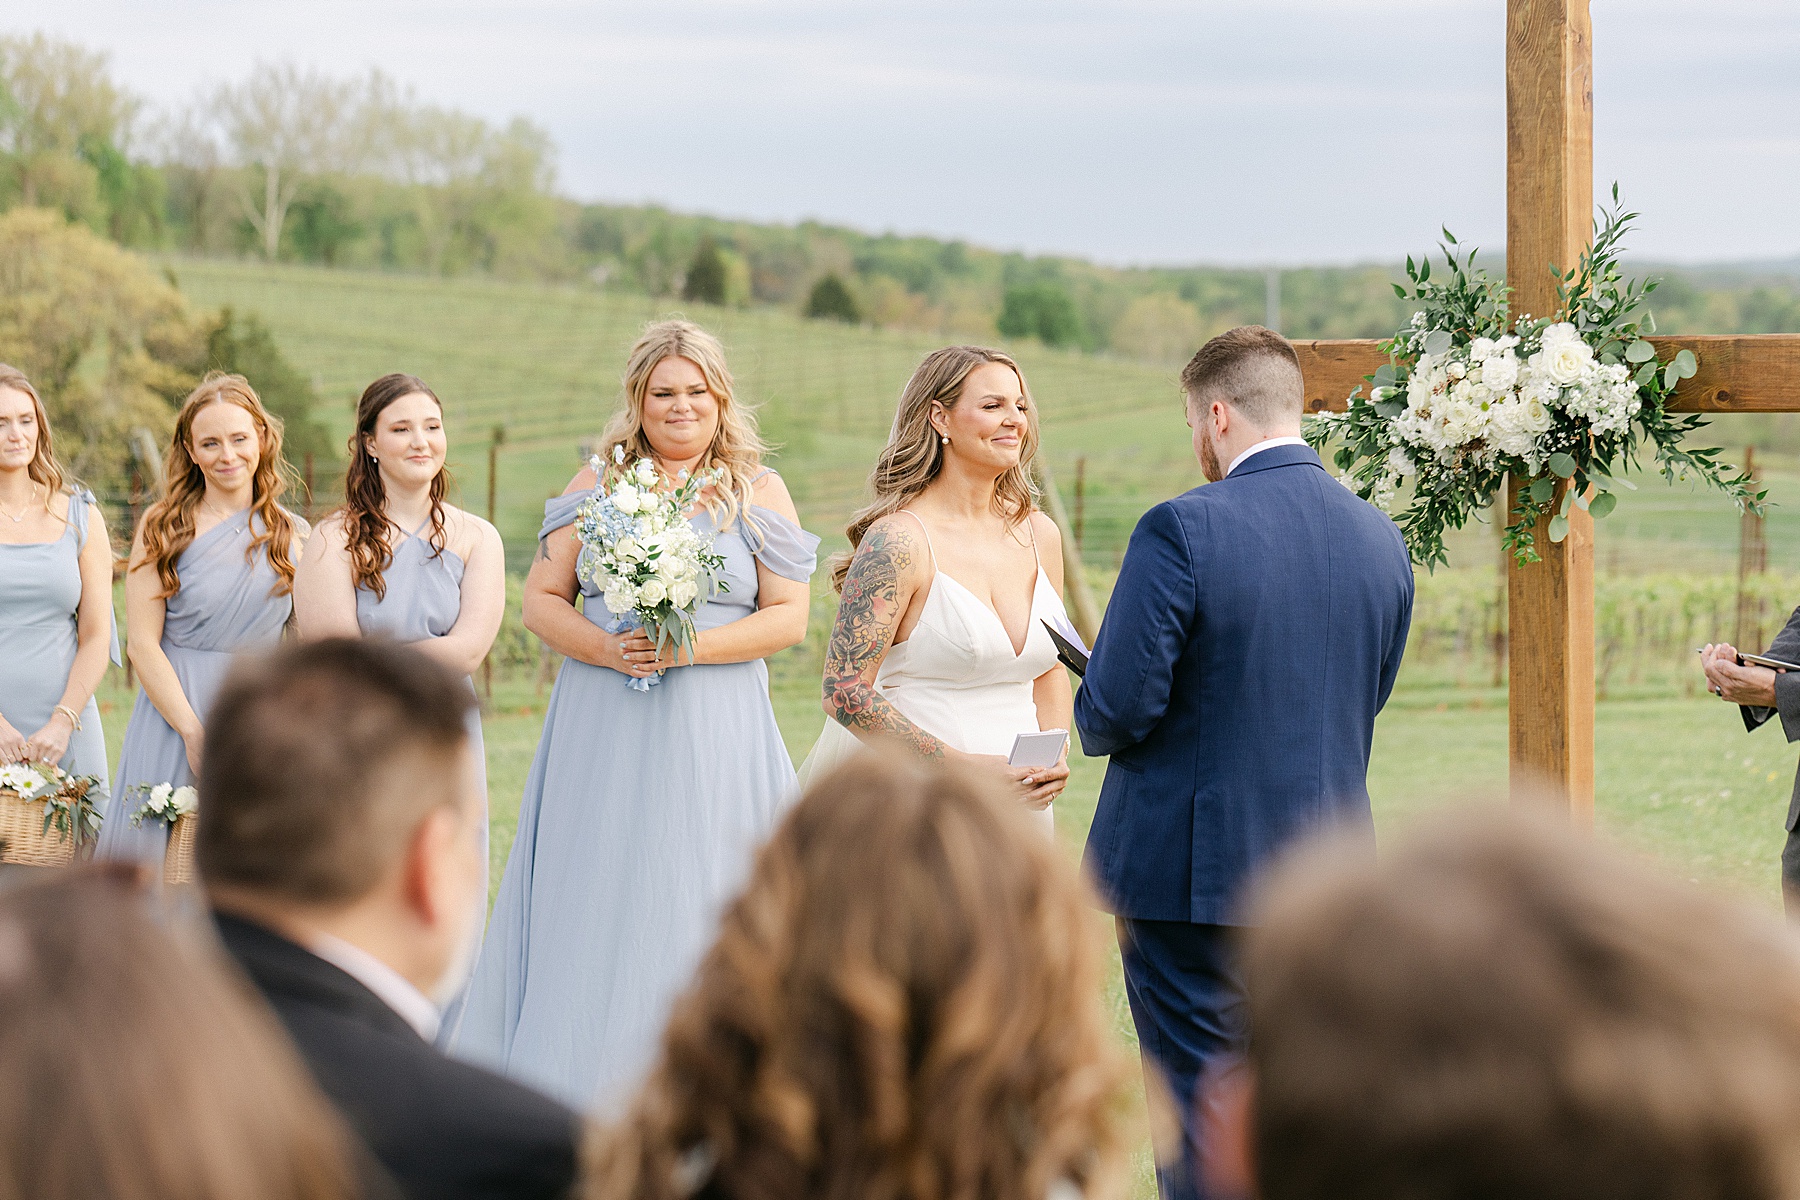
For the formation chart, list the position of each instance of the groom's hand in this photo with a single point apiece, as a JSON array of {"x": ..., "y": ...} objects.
[{"x": 1041, "y": 785}]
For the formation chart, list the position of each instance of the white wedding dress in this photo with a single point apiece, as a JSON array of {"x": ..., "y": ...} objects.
[{"x": 956, "y": 675}]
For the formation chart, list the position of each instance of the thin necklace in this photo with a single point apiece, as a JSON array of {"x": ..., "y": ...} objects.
[
  {"x": 29, "y": 505},
  {"x": 223, "y": 516}
]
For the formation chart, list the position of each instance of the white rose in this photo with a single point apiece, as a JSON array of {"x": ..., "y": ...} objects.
[
  {"x": 1559, "y": 334},
  {"x": 652, "y": 593},
  {"x": 628, "y": 550},
  {"x": 1481, "y": 348},
  {"x": 185, "y": 800},
  {"x": 159, "y": 796},
  {"x": 1567, "y": 362},
  {"x": 1456, "y": 369},
  {"x": 682, "y": 593},
  {"x": 1400, "y": 463},
  {"x": 646, "y": 473},
  {"x": 625, "y": 498}
]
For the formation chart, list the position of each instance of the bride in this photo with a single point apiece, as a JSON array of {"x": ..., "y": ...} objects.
[{"x": 939, "y": 641}]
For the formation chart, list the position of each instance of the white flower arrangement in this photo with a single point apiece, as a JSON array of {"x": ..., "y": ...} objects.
[
  {"x": 1472, "y": 396},
  {"x": 642, "y": 552},
  {"x": 71, "y": 802},
  {"x": 163, "y": 802}
]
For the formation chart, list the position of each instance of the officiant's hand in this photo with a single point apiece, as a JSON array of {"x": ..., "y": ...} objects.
[{"x": 1748, "y": 684}]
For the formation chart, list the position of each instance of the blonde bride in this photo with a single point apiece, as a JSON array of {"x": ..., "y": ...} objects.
[{"x": 939, "y": 642}]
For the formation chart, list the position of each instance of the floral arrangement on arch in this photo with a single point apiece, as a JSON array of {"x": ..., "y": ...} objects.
[
  {"x": 71, "y": 802},
  {"x": 1472, "y": 395},
  {"x": 643, "y": 553}
]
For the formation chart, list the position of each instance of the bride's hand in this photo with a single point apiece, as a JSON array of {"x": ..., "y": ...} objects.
[
  {"x": 1042, "y": 784},
  {"x": 1038, "y": 785},
  {"x": 630, "y": 653}
]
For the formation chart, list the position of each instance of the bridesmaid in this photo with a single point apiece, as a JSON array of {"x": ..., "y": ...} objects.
[
  {"x": 55, "y": 596},
  {"x": 212, "y": 573},
  {"x": 395, "y": 559},
  {"x": 642, "y": 810}
]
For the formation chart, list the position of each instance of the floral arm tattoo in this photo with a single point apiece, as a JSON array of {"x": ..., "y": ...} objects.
[{"x": 867, "y": 616}]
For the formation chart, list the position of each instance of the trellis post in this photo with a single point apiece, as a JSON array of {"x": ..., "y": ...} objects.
[{"x": 1549, "y": 221}]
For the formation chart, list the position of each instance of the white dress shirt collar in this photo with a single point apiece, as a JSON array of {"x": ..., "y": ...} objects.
[
  {"x": 389, "y": 986},
  {"x": 1261, "y": 446}
]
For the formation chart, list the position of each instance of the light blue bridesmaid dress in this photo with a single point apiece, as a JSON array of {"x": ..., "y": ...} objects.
[
  {"x": 226, "y": 603},
  {"x": 423, "y": 600},
  {"x": 641, "y": 815},
  {"x": 40, "y": 603}
]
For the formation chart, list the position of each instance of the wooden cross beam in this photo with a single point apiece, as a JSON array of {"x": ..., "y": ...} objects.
[{"x": 1549, "y": 220}]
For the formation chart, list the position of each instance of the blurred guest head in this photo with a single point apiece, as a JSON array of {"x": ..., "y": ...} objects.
[
  {"x": 1500, "y": 1008},
  {"x": 338, "y": 798},
  {"x": 905, "y": 1001},
  {"x": 136, "y": 1068},
  {"x": 1242, "y": 387}
]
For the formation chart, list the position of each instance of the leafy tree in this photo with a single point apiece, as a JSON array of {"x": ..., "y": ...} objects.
[
  {"x": 705, "y": 275},
  {"x": 320, "y": 223},
  {"x": 1040, "y": 310},
  {"x": 56, "y": 99},
  {"x": 242, "y": 344},
  {"x": 1160, "y": 327},
  {"x": 109, "y": 343},
  {"x": 831, "y": 300}
]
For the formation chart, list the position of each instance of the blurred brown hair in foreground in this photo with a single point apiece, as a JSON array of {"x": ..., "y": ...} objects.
[
  {"x": 136, "y": 1068},
  {"x": 906, "y": 1001},
  {"x": 1500, "y": 1007}
]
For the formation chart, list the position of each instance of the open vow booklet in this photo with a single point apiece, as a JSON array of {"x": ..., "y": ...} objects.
[{"x": 1070, "y": 649}]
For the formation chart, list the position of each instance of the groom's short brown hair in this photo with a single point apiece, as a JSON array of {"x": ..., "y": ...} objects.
[
  {"x": 1251, "y": 368},
  {"x": 321, "y": 759}
]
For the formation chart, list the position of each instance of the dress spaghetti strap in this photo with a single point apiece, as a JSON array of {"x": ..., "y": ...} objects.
[
  {"x": 929, "y": 548},
  {"x": 1032, "y": 530}
]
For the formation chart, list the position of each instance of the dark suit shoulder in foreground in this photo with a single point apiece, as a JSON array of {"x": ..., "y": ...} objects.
[{"x": 442, "y": 1128}]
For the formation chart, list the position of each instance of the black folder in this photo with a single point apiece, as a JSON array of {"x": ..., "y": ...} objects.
[{"x": 1067, "y": 652}]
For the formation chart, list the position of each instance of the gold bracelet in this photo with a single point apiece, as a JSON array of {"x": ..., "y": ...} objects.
[{"x": 74, "y": 717}]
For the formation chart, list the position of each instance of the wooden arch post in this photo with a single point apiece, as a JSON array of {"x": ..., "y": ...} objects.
[{"x": 1549, "y": 222}]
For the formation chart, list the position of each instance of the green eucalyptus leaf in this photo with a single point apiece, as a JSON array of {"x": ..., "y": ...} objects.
[
  {"x": 1559, "y": 528},
  {"x": 1385, "y": 375},
  {"x": 1582, "y": 501},
  {"x": 1437, "y": 342},
  {"x": 1686, "y": 364},
  {"x": 1561, "y": 465},
  {"x": 1640, "y": 351},
  {"x": 1568, "y": 502},
  {"x": 1604, "y": 503},
  {"x": 1543, "y": 489},
  {"x": 1670, "y": 375},
  {"x": 1645, "y": 374}
]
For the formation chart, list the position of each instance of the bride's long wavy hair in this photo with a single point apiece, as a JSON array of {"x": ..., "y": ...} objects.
[
  {"x": 168, "y": 525},
  {"x": 737, "y": 449},
  {"x": 914, "y": 454},
  {"x": 904, "y": 1003}
]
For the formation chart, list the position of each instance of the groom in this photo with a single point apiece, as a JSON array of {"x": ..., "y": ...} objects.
[{"x": 1254, "y": 633}]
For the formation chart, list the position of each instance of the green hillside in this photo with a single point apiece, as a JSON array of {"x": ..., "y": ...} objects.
[{"x": 545, "y": 361}]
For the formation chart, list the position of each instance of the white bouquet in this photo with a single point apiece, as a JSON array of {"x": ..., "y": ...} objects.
[
  {"x": 163, "y": 802},
  {"x": 71, "y": 802},
  {"x": 649, "y": 562}
]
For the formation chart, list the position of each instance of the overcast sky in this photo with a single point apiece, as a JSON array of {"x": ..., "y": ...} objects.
[{"x": 1133, "y": 131}]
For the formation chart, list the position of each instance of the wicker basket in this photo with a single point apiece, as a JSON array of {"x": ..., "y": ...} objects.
[
  {"x": 178, "y": 861},
  {"x": 23, "y": 838}
]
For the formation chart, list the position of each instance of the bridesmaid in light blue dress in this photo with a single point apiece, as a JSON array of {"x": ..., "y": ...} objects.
[
  {"x": 643, "y": 809},
  {"x": 55, "y": 596},
  {"x": 212, "y": 571},
  {"x": 396, "y": 560}
]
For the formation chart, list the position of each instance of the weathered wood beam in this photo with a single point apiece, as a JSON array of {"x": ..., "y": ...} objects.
[{"x": 1742, "y": 374}]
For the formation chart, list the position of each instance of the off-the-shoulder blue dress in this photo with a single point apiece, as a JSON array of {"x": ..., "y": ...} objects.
[{"x": 641, "y": 815}]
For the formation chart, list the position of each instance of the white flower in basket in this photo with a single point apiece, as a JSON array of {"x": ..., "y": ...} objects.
[
  {"x": 163, "y": 802},
  {"x": 71, "y": 802},
  {"x": 652, "y": 567}
]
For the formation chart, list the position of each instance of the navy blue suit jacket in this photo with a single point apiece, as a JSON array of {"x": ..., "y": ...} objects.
[{"x": 1254, "y": 632}]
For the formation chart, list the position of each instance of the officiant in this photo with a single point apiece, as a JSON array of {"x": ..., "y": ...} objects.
[{"x": 1761, "y": 693}]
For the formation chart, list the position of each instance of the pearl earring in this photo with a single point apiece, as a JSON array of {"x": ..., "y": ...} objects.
[{"x": 946, "y": 439}]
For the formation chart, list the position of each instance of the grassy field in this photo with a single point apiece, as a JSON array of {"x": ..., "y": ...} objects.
[{"x": 1678, "y": 781}]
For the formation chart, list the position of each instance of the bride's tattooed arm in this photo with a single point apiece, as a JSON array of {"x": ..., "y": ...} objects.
[{"x": 867, "y": 618}]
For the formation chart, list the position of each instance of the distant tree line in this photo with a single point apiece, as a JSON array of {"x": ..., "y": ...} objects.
[{"x": 293, "y": 165}]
